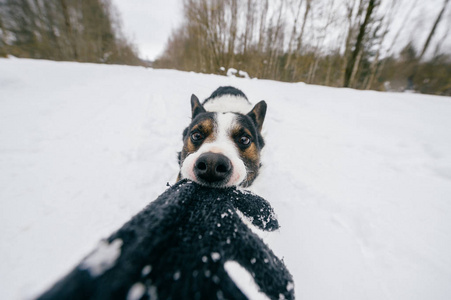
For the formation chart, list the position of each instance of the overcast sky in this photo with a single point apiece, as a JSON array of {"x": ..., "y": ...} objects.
[{"x": 148, "y": 23}]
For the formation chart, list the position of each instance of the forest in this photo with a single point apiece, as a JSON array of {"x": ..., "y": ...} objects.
[
  {"x": 385, "y": 45},
  {"x": 340, "y": 43},
  {"x": 64, "y": 30}
]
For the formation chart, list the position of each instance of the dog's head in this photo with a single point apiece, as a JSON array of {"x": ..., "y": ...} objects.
[{"x": 222, "y": 149}]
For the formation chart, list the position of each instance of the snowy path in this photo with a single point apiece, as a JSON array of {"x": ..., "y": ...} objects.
[{"x": 361, "y": 181}]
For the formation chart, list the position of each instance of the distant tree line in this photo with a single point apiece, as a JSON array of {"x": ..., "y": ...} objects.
[
  {"x": 342, "y": 43},
  {"x": 73, "y": 30}
]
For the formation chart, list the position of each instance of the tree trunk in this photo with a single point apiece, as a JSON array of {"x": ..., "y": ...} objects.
[
  {"x": 249, "y": 28},
  {"x": 373, "y": 71},
  {"x": 299, "y": 39},
  {"x": 69, "y": 29},
  {"x": 411, "y": 78},
  {"x": 349, "y": 35},
  {"x": 3, "y": 51},
  {"x": 431, "y": 34},
  {"x": 292, "y": 36},
  {"x": 262, "y": 31},
  {"x": 355, "y": 69},
  {"x": 351, "y": 66}
]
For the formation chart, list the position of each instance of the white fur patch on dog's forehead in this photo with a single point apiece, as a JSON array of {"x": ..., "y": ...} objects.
[
  {"x": 228, "y": 103},
  {"x": 224, "y": 123}
]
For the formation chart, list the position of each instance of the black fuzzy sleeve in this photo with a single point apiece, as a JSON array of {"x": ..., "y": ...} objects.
[{"x": 256, "y": 209}]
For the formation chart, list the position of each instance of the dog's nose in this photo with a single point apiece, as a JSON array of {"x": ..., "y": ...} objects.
[{"x": 213, "y": 168}]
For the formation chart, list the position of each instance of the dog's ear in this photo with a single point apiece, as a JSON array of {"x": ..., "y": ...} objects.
[
  {"x": 257, "y": 114},
  {"x": 196, "y": 107}
]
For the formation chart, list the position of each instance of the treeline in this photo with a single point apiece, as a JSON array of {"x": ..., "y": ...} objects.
[
  {"x": 342, "y": 43},
  {"x": 70, "y": 30}
]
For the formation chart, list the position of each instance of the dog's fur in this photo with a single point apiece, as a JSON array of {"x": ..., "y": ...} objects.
[{"x": 224, "y": 128}]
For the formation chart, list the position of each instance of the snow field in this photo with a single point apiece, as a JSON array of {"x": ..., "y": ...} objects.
[{"x": 360, "y": 180}]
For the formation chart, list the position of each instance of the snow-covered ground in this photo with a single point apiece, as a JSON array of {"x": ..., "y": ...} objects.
[{"x": 360, "y": 180}]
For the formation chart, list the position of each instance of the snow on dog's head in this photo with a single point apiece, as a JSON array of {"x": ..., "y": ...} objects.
[{"x": 222, "y": 147}]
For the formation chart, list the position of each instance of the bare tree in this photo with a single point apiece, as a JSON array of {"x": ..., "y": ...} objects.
[
  {"x": 65, "y": 30},
  {"x": 297, "y": 53},
  {"x": 3, "y": 50},
  {"x": 432, "y": 32},
  {"x": 322, "y": 42},
  {"x": 275, "y": 39},
  {"x": 232, "y": 33},
  {"x": 412, "y": 78},
  {"x": 249, "y": 27},
  {"x": 356, "y": 54},
  {"x": 295, "y": 9},
  {"x": 262, "y": 31}
]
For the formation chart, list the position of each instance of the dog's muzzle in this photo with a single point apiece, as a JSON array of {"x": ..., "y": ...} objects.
[{"x": 213, "y": 169}]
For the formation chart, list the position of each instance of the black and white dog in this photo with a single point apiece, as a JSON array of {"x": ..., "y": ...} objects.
[{"x": 222, "y": 144}]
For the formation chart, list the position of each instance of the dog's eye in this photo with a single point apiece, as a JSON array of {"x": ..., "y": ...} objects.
[
  {"x": 245, "y": 140},
  {"x": 196, "y": 136}
]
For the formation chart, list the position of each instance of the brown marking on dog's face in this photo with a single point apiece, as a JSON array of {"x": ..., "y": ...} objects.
[
  {"x": 251, "y": 159},
  {"x": 249, "y": 153},
  {"x": 252, "y": 154},
  {"x": 203, "y": 127}
]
